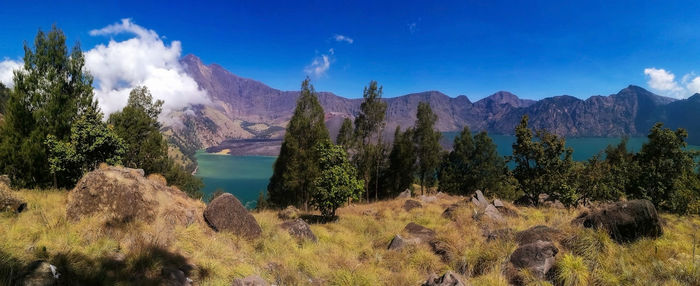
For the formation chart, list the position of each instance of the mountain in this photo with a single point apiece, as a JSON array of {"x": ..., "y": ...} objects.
[{"x": 243, "y": 108}]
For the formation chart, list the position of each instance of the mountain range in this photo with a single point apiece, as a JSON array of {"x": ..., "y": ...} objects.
[{"x": 243, "y": 108}]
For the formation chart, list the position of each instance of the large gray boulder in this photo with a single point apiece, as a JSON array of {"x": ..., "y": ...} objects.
[
  {"x": 624, "y": 221},
  {"x": 535, "y": 233},
  {"x": 226, "y": 213},
  {"x": 300, "y": 229},
  {"x": 537, "y": 257},
  {"x": 399, "y": 242},
  {"x": 419, "y": 231}
]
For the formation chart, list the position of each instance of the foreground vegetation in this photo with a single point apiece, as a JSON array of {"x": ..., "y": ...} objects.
[{"x": 349, "y": 251}]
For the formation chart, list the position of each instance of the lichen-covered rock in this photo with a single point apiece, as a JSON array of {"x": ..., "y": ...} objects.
[
  {"x": 448, "y": 279},
  {"x": 411, "y": 204},
  {"x": 226, "y": 213},
  {"x": 300, "y": 229},
  {"x": 624, "y": 221}
]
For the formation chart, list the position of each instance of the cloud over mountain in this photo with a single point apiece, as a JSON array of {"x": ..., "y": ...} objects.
[
  {"x": 7, "y": 67},
  {"x": 665, "y": 83}
]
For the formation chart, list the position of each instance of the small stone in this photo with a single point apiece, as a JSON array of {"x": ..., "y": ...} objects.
[
  {"x": 405, "y": 194},
  {"x": 300, "y": 229}
]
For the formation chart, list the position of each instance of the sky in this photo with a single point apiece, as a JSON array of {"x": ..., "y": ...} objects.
[{"x": 534, "y": 49}]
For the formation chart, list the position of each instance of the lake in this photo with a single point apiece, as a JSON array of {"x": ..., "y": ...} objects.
[{"x": 247, "y": 176}]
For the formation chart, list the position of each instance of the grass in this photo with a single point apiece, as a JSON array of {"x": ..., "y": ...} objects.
[{"x": 350, "y": 251}]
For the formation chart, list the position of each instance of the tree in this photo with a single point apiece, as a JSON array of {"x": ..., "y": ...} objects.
[
  {"x": 297, "y": 166},
  {"x": 666, "y": 173},
  {"x": 92, "y": 142},
  {"x": 337, "y": 182},
  {"x": 427, "y": 141},
  {"x": 50, "y": 93},
  {"x": 402, "y": 161},
  {"x": 543, "y": 165},
  {"x": 137, "y": 124},
  {"x": 369, "y": 125},
  {"x": 345, "y": 134},
  {"x": 4, "y": 96}
]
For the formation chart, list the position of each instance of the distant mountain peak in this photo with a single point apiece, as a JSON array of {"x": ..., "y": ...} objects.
[{"x": 505, "y": 97}]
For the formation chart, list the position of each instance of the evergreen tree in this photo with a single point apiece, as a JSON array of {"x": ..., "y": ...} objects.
[
  {"x": 337, "y": 182},
  {"x": 402, "y": 162},
  {"x": 369, "y": 126},
  {"x": 427, "y": 141},
  {"x": 48, "y": 96},
  {"x": 297, "y": 166},
  {"x": 454, "y": 173},
  {"x": 345, "y": 134},
  {"x": 4, "y": 96}
]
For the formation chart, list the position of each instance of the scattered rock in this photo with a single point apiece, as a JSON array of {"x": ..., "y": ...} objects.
[
  {"x": 480, "y": 197},
  {"x": 254, "y": 280},
  {"x": 448, "y": 279},
  {"x": 226, "y": 213},
  {"x": 5, "y": 180},
  {"x": 624, "y": 221},
  {"x": 534, "y": 234},
  {"x": 538, "y": 257},
  {"x": 300, "y": 229},
  {"x": 399, "y": 242},
  {"x": 121, "y": 195},
  {"x": 556, "y": 204},
  {"x": 499, "y": 234},
  {"x": 452, "y": 210},
  {"x": 8, "y": 202},
  {"x": 175, "y": 277},
  {"x": 411, "y": 204},
  {"x": 288, "y": 213},
  {"x": 443, "y": 249},
  {"x": 489, "y": 212},
  {"x": 498, "y": 204},
  {"x": 40, "y": 273},
  {"x": 369, "y": 212},
  {"x": 416, "y": 230},
  {"x": 405, "y": 194},
  {"x": 428, "y": 199}
]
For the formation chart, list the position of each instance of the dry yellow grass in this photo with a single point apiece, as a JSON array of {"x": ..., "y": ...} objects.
[{"x": 350, "y": 251}]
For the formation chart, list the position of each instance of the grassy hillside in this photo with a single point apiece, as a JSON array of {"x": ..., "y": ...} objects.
[{"x": 350, "y": 251}]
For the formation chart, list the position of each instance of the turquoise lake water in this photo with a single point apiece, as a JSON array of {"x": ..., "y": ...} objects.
[{"x": 246, "y": 176}]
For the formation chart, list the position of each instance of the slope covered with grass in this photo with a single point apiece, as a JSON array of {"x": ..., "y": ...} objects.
[{"x": 350, "y": 251}]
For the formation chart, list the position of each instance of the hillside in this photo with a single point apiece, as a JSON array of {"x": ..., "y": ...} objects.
[
  {"x": 350, "y": 251},
  {"x": 243, "y": 108}
]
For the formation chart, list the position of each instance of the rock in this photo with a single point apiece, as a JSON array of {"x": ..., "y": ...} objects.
[
  {"x": 624, "y": 221},
  {"x": 443, "y": 249},
  {"x": 489, "y": 212},
  {"x": 411, "y": 204},
  {"x": 254, "y": 280},
  {"x": 498, "y": 203},
  {"x": 428, "y": 199},
  {"x": 399, "y": 242},
  {"x": 290, "y": 212},
  {"x": 8, "y": 201},
  {"x": 534, "y": 234},
  {"x": 556, "y": 204},
  {"x": 451, "y": 211},
  {"x": 405, "y": 194},
  {"x": 5, "y": 180},
  {"x": 175, "y": 277},
  {"x": 524, "y": 201},
  {"x": 416, "y": 230},
  {"x": 480, "y": 197},
  {"x": 369, "y": 212},
  {"x": 538, "y": 257},
  {"x": 226, "y": 213},
  {"x": 40, "y": 273},
  {"x": 300, "y": 229},
  {"x": 448, "y": 279},
  {"x": 121, "y": 195},
  {"x": 499, "y": 234},
  {"x": 541, "y": 198}
]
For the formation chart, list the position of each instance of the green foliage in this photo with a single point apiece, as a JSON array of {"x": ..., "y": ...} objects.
[
  {"x": 49, "y": 94},
  {"x": 369, "y": 126},
  {"x": 666, "y": 171},
  {"x": 4, "y": 96},
  {"x": 297, "y": 166},
  {"x": 262, "y": 202},
  {"x": 337, "y": 182},
  {"x": 402, "y": 162},
  {"x": 427, "y": 142},
  {"x": 92, "y": 142},
  {"x": 345, "y": 134},
  {"x": 473, "y": 164},
  {"x": 543, "y": 165}
]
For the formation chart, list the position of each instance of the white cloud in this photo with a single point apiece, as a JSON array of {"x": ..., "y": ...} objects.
[
  {"x": 320, "y": 64},
  {"x": 665, "y": 83},
  {"x": 341, "y": 38},
  {"x": 7, "y": 67},
  {"x": 143, "y": 59}
]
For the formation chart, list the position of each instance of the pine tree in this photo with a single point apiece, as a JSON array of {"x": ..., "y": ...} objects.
[
  {"x": 369, "y": 126},
  {"x": 402, "y": 162},
  {"x": 345, "y": 134},
  {"x": 427, "y": 141},
  {"x": 297, "y": 166},
  {"x": 4, "y": 96},
  {"x": 48, "y": 96}
]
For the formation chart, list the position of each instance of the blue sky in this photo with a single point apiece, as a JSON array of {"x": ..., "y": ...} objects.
[{"x": 534, "y": 49}]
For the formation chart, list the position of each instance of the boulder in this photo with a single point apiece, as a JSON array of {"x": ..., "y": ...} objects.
[
  {"x": 290, "y": 212},
  {"x": 480, "y": 197},
  {"x": 538, "y": 257},
  {"x": 443, "y": 249},
  {"x": 448, "y": 279},
  {"x": 427, "y": 199},
  {"x": 499, "y": 234},
  {"x": 226, "y": 213},
  {"x": 498, "y": 203},
  {"x": 411, "y": 204},
  {"x": 40, "y": 273},
  {"x": 5, "y": 180},
  {"x": 418, "y": 231},
  {"x": 624, "y": 221},
  {"x": 120, "y": 195},
  {"x": 534, "y": 234},
  {"x": 254, "y": 280},
  {"x": 405, "y": 194},
  {"x": 300, "y": 229},
  {"x": 489, "y": 212},
  {"x": 399, "y": 242},
  {"x": 451, "y": 211},
  {"x": 9, "y": 202},
  {"x": 175, "y": 277}
]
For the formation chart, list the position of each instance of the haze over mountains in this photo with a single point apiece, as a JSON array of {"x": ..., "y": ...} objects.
[{"x": 243, "y": 108}]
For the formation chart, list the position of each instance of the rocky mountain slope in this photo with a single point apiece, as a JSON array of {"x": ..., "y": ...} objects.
[{"x": 244, "y": 109}]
